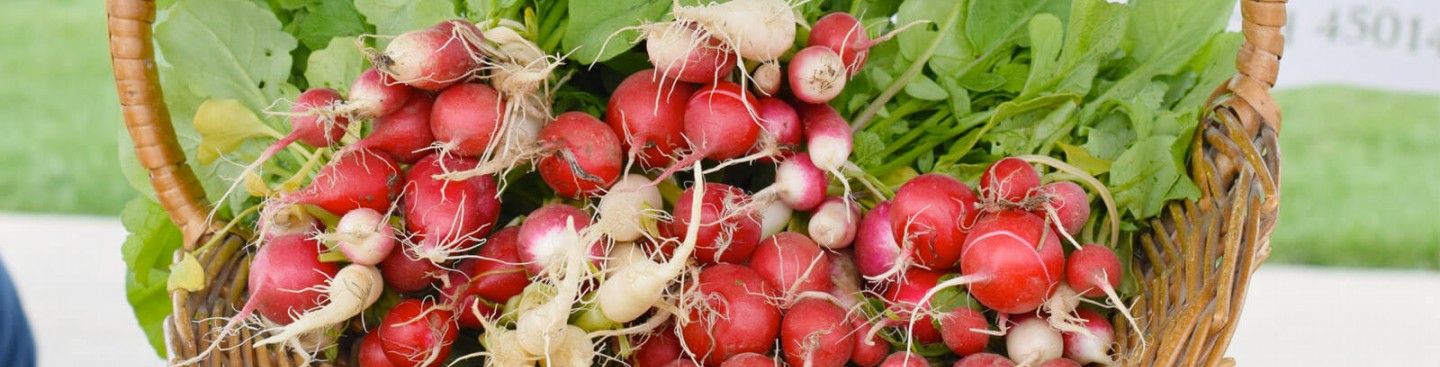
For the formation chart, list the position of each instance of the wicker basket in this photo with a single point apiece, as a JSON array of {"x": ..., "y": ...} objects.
[{"x": 1196, "y": 262}]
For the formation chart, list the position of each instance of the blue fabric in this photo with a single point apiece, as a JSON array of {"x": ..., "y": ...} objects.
[{"x": 17, "y": 346}]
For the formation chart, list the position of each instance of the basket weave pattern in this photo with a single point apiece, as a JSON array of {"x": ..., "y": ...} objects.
[{"x": 1196, "y": 262}]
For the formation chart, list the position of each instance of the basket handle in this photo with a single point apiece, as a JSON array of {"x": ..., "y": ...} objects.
[
  {"x": 1257, "y": 65},
  {"x": 132, "y": 53}
]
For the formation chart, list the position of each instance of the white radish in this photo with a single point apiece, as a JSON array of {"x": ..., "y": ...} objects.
[
  {"x": 624, "y": 209},
  {"x": 760, "y": 30},
  {"x": 364, "y": 236},
  {"x": 1094, "y": 345},
  {"x": 634, "y": 289},
  {"x": 834, "y": 222},
  {"x": 353, "y": 289},
  {"x": 1032, "y": 341},
  {"x": 817, "y": 74},
  {"x": 774, "y": 218},
  {"x": 768, "y": 78}
]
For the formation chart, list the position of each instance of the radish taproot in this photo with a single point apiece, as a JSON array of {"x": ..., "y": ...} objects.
[
  {"x": 640, "y": 283},
  {"x": 931, "y": 215},
  {"x": 449, "y": 217},
  {"x": 583, "y": 157},
  {"x": 431, "y": 58},
  {"x": 768, "y": 78},
  {"x": 1093, "y": 271},
  {"x": 792, "y": 264},
  {"x": 353, "y": 289},
  {"x": 733, "y": 315},
  {"x": 625, "y": 210},
  {"x": 1032, "y": 341},
  {"x": 648, "y": 116},
  {"x": 417, "y": 333},
  {"x": 774, "y": 218},
  {"x": 1094, "y": 346}
]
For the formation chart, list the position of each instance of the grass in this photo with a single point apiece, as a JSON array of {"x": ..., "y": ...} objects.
[{"x": 1361, "y": 175}]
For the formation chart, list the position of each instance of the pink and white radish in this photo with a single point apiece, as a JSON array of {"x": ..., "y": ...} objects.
[
  {"x": 931, "y": 215},
  {"x": 373, "y": 95},
  {"x": 449, "y": 217},
  {"x": 781, "y": 124},
  {"x": 583, "y": 156},
  {"x": 1093, "y": 271},
  {"x": 364, "y": 236},
  {"x": 833, "y": 225},
  {"x": 432, "y": 58},
  {"x": 639, "y": 283},
  {"x": 827, "y": 136},
  {"x": 845, "y": 281},
  {"x": 815, "y": 333},
  {"x": 354, "y": 288},
  {"x": 1094, "y": 345},
  {"x": 768, "y": 78},
  {"x": 842, "y": 33},
  {"x": 774, "y": 218},
  {"x": 547, "y": 236},
  {"x": 733, "y": 317},
  {"x": 649, "y": 117},
  {"x": 682, "y": 52},
  {"x": 792, "y": 264},
  {"x": 417, "y": 333},
  {"x": 877, "y": 256},
  {"x": 1032, "y": 340},
  {"x": 817, "y": 75},
  {"x": 465, "y": 119}
]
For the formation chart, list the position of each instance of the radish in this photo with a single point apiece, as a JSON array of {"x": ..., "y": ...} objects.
[
  {"x": 907, "y": 299},
  {"x": 904, "y": 359},
  {"x": 774, "y": 218},
  {"x": 1094, "y": 270},
  {"x": 792, "y": 264},
  {"x": 733, "y": 315},
  {"x": 682, "y": 52},
  {"x": 1069, "y": 204},
  {"x": 750, "y": 360},
  {"x": 984, "y": 360},
  {"x": 584, "y": 158},
  {"x": 959, "y": 330},
  {"x": 356, "y": 179},
  {"x": 844, "y": 280},
  {"x": 313, "y": 120},
  {"x": 404, "y": 134},
  {"x": 371, "y": 353},
  {"x": 657, "y": 349},
  {"x": 1008, "y": 180},
  {"x": 627, "y": 207},
  {"x": 724, "y": 235},
  {"x": 286, "y": 279},
  {"x": 373, "y": 95},
  {"x": 503, "y": 350},
  {"x": 827, "y": 136},
  {"x": 1059, "y": 362},
  {"x": 546, "y": 236},
  {"x": 430, "y": 58},
  {"x": 720, "y": 122},
  {"x": 833, "y": 224},
  {"x": 364, "y": 236},
  {"x": 353, "y": 289},
  {"x": 553, "y": 240},
  {"x": 760, "y": 30},
  {"x": 465, "y": 119},
  {"x": 488, "y": 281},
  {"x": 640, "y": 283},
  {"x": 780, "y": 122},
  {"x": 416, "y": 333},
  {"x": 798, "y": 183},
  {"x": 649, "y": 120},
  {"x": 681, "y": 363},
  {"x": 817, "y": 74},
  {"x": 814, "y": 332},
  {"x": 877, "y": 256},
  {"x": 1012, "y": 262},
  {"x": 768, "y": 78},
  {"x": 448, "y": 216},
  {"x": 869, "y": 349},
  {"x": 842, "y": 33},
  {"x": 575, "y": 349},
  {"x": 1032, "y": 340},
  {"x": 931, "y": 215},
  {"x": 406, "y": 275},
  {"x": 280, "y": 219},
  {"x": 1094, "y": 346}
]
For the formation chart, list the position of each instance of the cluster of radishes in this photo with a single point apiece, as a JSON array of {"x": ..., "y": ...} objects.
[{"x": 612, "y": 269}]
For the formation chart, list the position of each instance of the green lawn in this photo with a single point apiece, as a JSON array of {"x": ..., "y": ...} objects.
[{"x": 1360, "y": 175}]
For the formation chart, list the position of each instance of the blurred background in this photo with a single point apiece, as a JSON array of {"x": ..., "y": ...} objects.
[{"x": 1360, "y": 91}]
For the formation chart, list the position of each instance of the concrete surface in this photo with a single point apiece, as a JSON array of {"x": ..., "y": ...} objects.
[{"x": 70, "y": 276}]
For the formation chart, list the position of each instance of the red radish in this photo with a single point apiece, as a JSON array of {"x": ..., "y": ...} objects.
[
  {"x": 907, "y": 297},
  {"x": 1032, "y": 340},
  {"x": 1092, "y": 270},
  {"x": 957, "y": 328},
  {"x": 792, "y": 264},
  {"x": 780, "y": 122},
  {"x": 681, "y": 363},
  {"x": 984, "y": 360},
  {"x": 431, "y": 58},
  {"x": 466, "y": 118},
  {"x": 815, "y": 333},
  {"x": 719, "y": 121},
  {"x": 547, "y": 234},
  {"x": 349, "y": 293},
  {"x": 1068, "y": 202},
  {"x": 1008, "y": 180},
  {"x": 657, "y": 349},
  {"x": 827, "y": 136},
  {"x": 449, "y": 217},
  {"x": 750, "y": 360},
  {"x": 931, "y": 215},
  {"x": 404, "y": 134},
  {"x": 877, "y": 256},
  {"x": 834, "y": 223},
  {"x": 586, "y": 155},
  {"x": 735, "y": 317},
  {"x": 905, "y": 359},
  {"x": 626, "y": 208},
  {"x": 371, "y": 353},
  {"x": 843, "y": 34},
  {"x": 406, "y": 275},
  {"x": 760, "y": 30},
  {"x": 488, "y": 281},
  {"x": 774, "y": 218},
  {"x": 817, "y": 74},
  {"x": 724, "y": 236},
  {"x": 313, "y": 120},
  {"x": 649, "y": 116},
  {"x": 679, "y": 51},
  {"x": 357, "y": 179},
  {"x": 375, "y": 94},
  {"x": 416, "y": 333},
  {"x": 364, "y": 236},
  {"x": 1013, "y": 261},
  {"x": 1092, "y": 348},
  {"x": 286, "y": 277},
  {"x": 1059, "y": 362},
  {"x": 868, "y": 352},
  {"x": 798, "y": 183},
  {"x": 768, "y": 78}
]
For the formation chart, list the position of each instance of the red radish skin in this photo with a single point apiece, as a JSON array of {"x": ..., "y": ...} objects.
[
  {"x": 405, "y": 133},
  {"x": 843, "y": 34},
  {"x": 372, "y": 353},
  {"x": 867, "y": 353},
  {"x": 649, "y": 117},
  {"x": 957, "y": 328},
  {"x": 827, "y": 136},
  {"x": 490, "y": 280},
  {"x": 877, "y": 256},
  {"x": 1091, "y": 269},
  {"x": 931, "y": 215},
  {"x": 465, "y": 118},
  {"x": 904, "y": 359},
  {"x": 1068, "y": 201},
  {"x": 406, "y": 275},
  {"x": 1015, "y": 259},
  {"x": 735, "y": 318},
  {"x": 816, "y": 74},
  {"x": 724, "y": 236},
  {"x": 658, "y": 349},
  {"x": 792, "y": 264},
  {"x": 373, "y": 94},
  {"x": 357, "y": 179},
  {"x": 314, "y": 121},
  {"x": 984, "y": 360},
  {"x": 799, "y": 183},
  {"x": 284, "y": 278},
  {"x": 1008, "y": 180},
  {"x": 750, "y": 360},
  {"x": 679, "y": 51},
  {"x": 1059, "y": 362},
  {"x": 681, "y": 363},
  {"x": 719, "y": 121},
  {"x": 353, "y": 289},
  {"x": 814, "y": 333},
  {"x": 543, "y": 237},
  {"x": 834, "y": 223},
  {"x": 906, "y": 297},
  {"x": 1093, "y": 348},
  {"x": 431, "y": 58},
  {"x": 768, "y": 77},
  {"x": 584, "y": 155},
  {"x": 781, "y": 122},
  {"x": 417, "y": 333},
  {"x": 449, "y": 217}
]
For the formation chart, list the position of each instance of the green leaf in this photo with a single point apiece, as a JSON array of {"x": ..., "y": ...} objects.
[
  {"x": 995, "y": 24},
  {"x": 1109, "y": 137},
  {"x": 320, "y": 22},
  {"x": 147, "y": 252},
  {"x": 594, "y": 32},
  {"x": 869, "y": 149},
  {"x": 1147, "y": 175},
  {"x": 923, "y": 88},
  {"x": 952, "y": 53},
  {"x": 393, "y": 17},
  {"x": 1215, "y": 63},
  {"x": 223, "y": 126},
  {"x": 186, "y": 274},
  {"x": 294, "y": 4},
  {"x": 1167, "y": 32},
  {"x": 1046, "y": 33},
  {"x": 226, "y": 49},
  {"x": 1079, "y": 157},
  {"x": 336, "y": 66},
  {"x": 1096, "y": 29}
]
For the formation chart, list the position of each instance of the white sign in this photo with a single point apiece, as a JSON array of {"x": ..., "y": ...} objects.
[{"x": 1388, "y": 44}]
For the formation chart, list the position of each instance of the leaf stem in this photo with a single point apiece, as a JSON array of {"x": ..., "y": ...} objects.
[{"x": 915, "y": 68}]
